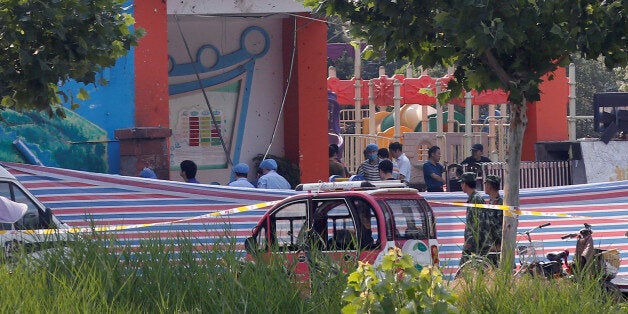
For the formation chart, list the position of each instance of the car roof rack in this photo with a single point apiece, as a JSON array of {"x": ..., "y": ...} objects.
[{"x": 350, "y": 185}]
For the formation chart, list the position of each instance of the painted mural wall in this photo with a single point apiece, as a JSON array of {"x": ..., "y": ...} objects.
[
  {"x": 85, "y": 139},
  {"x": 238, "y": 63}
]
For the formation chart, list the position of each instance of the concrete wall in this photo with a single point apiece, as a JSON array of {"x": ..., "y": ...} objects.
[
  {"x": 245, "y": 102},
  {"x": 216, "y": 7},
  {"x": 605, "y": 162}
]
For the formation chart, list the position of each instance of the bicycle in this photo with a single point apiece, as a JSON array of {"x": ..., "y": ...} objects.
[
  {"x": 478, "y": 264},
  {"x": 529, "y": 262},
  {"x": 604, "y": 264}
]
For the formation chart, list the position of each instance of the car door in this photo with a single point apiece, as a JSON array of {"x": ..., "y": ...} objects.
[
  {"x": 34, "y": 218},
  {"x": 288, "y": 225},
  {"x": 334, "y": 235}
]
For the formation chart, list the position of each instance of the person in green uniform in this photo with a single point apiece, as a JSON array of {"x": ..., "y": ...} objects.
[{"x": 474, "y": 230}]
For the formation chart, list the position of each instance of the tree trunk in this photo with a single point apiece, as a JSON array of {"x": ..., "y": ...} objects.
[{"x": 518, "y": 122}]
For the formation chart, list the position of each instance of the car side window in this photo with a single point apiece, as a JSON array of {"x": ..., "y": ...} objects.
[
  {"x": 341, "y": 227},
  {"x": 288, "y": 222},
  {"x": 6, "y": 192},
  {"x": 30, "y": 220},
  {"x": 367, "y": 224},
  {"x": 410, "y": 219},
  {"x": 260, "y": 239}
]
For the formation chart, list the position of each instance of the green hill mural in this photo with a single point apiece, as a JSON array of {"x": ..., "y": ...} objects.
[{"x": 71, "y": 143}]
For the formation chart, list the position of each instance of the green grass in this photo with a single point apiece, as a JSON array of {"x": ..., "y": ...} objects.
[
  {"x": 159, "y": 276},
  {"x": 176, "y": 276},
  {"x": 499, "y": 292}
]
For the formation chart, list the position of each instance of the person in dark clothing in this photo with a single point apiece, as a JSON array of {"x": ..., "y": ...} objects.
[
  {"x": 386, "y": 170},
  {"x": 433, "y": 171},
  {"x": 477, "y": 151},
  {"x": 475, "y": 230},
  {"x": 335, "y": 167},
  {"x": 494, "y": 218},
  {"x": 188, "y": 171},
  {"x": 474, "y": 161},
  {"x": 454, "y": 171}
]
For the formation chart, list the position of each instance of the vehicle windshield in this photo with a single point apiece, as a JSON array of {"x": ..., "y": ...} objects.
[{"x": 412, "y": 218}]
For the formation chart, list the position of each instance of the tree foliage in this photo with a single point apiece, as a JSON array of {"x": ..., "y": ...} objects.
[
  {"x": 507, "y": 44},
  {"x": 493, "y": 44},
  {"x": 45, "y": 43},
  {"x": 592, "y": 77}
]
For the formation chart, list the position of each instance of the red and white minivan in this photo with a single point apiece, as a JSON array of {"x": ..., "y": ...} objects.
[{"x": 360, "y": 222}]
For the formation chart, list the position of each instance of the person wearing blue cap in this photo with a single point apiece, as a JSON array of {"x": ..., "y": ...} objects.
[
  {"x": 369, "y": 168},
  {"x": 148, "y": 173},
  {"x": 241, "y": 172},
  {"x": 270, "y": 179}
]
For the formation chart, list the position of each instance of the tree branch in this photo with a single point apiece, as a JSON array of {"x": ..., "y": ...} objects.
[{"x": 499, "y": 70}]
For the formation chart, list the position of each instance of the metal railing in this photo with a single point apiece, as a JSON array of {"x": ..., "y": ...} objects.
[{"x": 534, "y": 174}]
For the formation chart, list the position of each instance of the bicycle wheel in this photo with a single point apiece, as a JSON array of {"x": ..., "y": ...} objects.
[
  {"x": 533, "y": 269},
  {"x": 472, "y": 267},
  {"x": 613, "y": 291},
  {"x": 536, "y": 270}
]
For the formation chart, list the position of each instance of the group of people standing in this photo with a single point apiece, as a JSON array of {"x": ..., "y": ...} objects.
[
  {"x": 483, "y": 227},
  {"x": 268, "y": 178},
  {"x": 433, "y": 170},
  {"x": 378, "y": 164}
]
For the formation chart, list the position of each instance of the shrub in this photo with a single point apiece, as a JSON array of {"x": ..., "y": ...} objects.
[{"x": 397, "y": 286}]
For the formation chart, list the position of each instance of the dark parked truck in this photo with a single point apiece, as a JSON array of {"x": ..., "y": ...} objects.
[
  {"x": 361, "y": 222},
  {"x": 31, "y": 231}
]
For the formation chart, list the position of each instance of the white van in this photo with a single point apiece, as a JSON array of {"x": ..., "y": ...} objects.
[{"x": 28, "y": 234}]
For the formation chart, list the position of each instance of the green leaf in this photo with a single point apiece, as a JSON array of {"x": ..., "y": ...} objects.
[
  {"x": 7, "y": 102},
  {"x": 310, "y": 3},
  {"x": 426, "y": 91},
  {"x": 83, "y": 94},
  {"x": 556, "y": 30},
  {"x": 444, "y": 97}
]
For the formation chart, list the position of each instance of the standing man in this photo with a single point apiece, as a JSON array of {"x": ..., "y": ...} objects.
[
  {"x": 335, "y": 167},
  {"x": 405, "y": 168},
  {"x": 494, "y": 217},
  {"x": 368, "y": 169},
  {"x": 270, "y": 178},
  {"x": 241, "y": 172},
  {"x": 474, "y": 230},
  {"x": 473, "y": 161},
  {"x": 188, "y": 171},
  {"x": 477, "y": 151},
  {"x": 433, "y": 171}
]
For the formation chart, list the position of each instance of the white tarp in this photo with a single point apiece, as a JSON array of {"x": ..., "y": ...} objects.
[{"x": 11, "y": 211}]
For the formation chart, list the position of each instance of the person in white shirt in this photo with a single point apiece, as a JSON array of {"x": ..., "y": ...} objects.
[{"x": 396, "y": 151}]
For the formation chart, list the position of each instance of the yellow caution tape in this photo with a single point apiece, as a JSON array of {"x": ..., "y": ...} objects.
[
  {"x": 512, "y": 210},
  {"x": 125, "y": 227}
]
